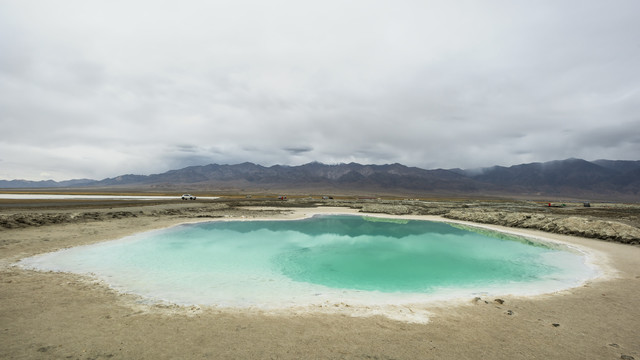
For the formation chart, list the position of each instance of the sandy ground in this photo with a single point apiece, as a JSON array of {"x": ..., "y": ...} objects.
[{"x": 54, "y": 315}]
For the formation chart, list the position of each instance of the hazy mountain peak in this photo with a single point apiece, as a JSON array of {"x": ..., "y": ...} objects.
[{"x": 569, "y": 177}]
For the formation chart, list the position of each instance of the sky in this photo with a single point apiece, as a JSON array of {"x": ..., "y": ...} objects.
[{"x": 96, "y": 89}]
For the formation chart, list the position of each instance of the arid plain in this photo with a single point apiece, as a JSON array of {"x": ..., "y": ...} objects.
[{"x": 67, "y": 316}]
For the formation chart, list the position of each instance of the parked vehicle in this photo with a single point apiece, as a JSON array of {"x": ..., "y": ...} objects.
[{"x": 188, "y": 197}]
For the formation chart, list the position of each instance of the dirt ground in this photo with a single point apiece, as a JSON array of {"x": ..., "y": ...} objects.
[{"x": 66, "y": 316}]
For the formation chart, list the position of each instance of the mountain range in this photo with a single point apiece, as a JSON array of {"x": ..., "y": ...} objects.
[{"x": 571, "y": 178}]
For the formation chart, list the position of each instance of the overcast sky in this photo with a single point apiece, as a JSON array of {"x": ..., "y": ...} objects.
[{"x": 95, "y": 89}]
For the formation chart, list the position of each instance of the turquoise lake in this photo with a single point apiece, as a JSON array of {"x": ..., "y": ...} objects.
[{"x": 362, "y": 260}]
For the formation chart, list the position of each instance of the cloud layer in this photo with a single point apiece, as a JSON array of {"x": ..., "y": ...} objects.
[{"x": 102, "y": 88}]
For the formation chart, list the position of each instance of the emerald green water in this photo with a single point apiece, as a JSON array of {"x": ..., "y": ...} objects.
[
  {"x": 324, "y": 258},
  {"x": 414, "y": 257}
]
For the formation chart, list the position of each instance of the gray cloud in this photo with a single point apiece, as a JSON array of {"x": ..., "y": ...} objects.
[
  {"x": 100, "y": 89},
  {"x": 298, "y": 150}
]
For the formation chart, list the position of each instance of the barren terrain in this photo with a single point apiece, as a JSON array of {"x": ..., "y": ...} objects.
[{"x": 67, "y": 316}]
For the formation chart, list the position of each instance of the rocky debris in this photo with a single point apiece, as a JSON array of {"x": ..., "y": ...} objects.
[
  {"x": 386, "y": 209},
  {"x": 626, "y": 357},
  {"x": 22, "y": 220},
  {"x": 26, "y": 220},
  {"x": 29, "y": 219},
  {"x": 168, "y": 212},
  {"x": 477, "y": 300},
  {"x": 121, "y": 214},
  {"x": 45, "y": 348},
  {"x": 408, "y": 207},
  {"x": 567, "y": 225},
  {"x": 555, "y": 324}
]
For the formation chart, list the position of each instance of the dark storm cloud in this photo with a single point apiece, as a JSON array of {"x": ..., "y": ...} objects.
[
  {"x": 97, "y": 89},
  {"x": 298, "y": 150}
]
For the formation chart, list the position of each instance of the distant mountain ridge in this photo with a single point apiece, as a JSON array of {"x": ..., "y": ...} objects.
[
  {"x": 312, "y": 175},
  {"x": 572, "y": 177}
]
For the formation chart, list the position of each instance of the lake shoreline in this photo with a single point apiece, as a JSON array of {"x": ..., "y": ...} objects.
[{"x": 405, "y": 306}]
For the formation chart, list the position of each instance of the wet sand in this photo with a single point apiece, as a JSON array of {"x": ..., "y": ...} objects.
[{"x": 54, "y": 315}]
